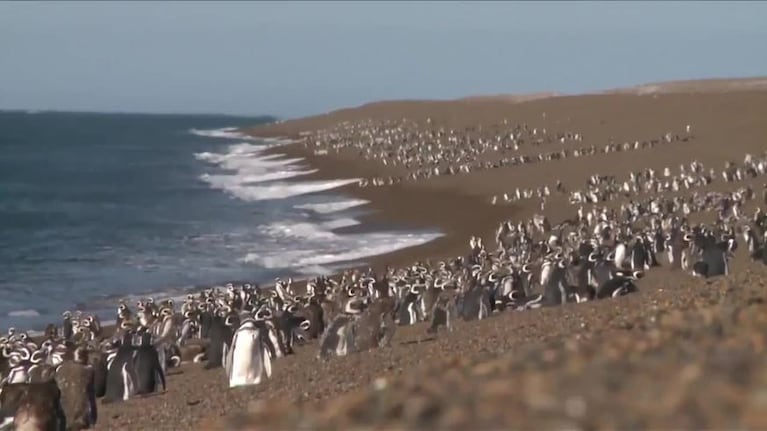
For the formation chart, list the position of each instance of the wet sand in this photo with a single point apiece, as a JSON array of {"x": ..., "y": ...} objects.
[{"x": 594, "y": 365}]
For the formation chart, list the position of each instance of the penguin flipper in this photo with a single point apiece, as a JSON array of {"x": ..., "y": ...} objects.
[
  {"x": 161, "y": 374},
  {"x": 228, "y": 357},
  {"x": 266, "y": 362}
]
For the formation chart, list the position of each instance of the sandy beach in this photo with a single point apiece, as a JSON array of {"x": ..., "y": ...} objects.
[{"x": 697, "y": 347}]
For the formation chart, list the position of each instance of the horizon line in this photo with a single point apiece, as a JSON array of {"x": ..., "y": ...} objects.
[{"x": 127, "y": 112}]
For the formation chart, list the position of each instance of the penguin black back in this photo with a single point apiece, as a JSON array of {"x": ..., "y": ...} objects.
[{"x": 149, "y": 371}]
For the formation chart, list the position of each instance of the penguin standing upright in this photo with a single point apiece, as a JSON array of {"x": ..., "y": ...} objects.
[
  {"x": 33, "y": 406},
  {"x": 443, "y": 312},
  {"x": 248, "y": 361},
  {"x": 97, "y": 358},
  {"x": 121, "y": 372},
  {"x": 66, "y": 325},
  {"x": 149, "y": 371},
  {"x": 375, "y": 326},
  {"x": 220, "y": 335},
  {"x": 75, "y": 378}
]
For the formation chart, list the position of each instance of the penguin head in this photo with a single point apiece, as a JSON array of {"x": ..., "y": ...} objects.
[
  {"x": 264, "y": 313},
  {"x": 38, "y": 356},
  {"x": 305, "y": 324},
  {"x": 14, "y": 360},
  {"x": 355, "y": 305},
  {"x": 292, "y": 308}
]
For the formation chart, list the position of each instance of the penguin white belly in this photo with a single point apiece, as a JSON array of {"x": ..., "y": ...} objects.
[
  {"x": 620, "y": 256},
  {"x": 343, "y": 340},
  {"x": 246, "y": 367},
  {"x": 128, "y": 386}
]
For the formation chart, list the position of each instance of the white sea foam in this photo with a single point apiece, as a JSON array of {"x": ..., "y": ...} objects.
[
  {"x": 247, "y": 168},
  {"x": 23, "y": 313},
  {"x": 332, "y": 207},
  {"x": 225, "y": 133},
  {"x": 340, "y": 223},
  {"x": 284, "y": 190},
  {"x": 235, "y": 133},
  {"x": 309, "y": 245}
]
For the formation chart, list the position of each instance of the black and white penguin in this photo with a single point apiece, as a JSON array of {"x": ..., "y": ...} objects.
[
  {"x": 621, "y": 284},
  {"x": 75, "y": 378},
  {"x": 508, "y": 291},
  {"x": 640, "y": 257},
  {"x": 148, "y": 369},
  {"x": 313, "y": 314},
  {"x": 66, "y": 325},
  {"x": 429, "y": 294},
  {"x": 713, "y": 259},
  {"x": 338, "y": 338},
  {"x": 248, "y": 361},
  {"x": 375, "y": 326},
  {"x": 97, "y": 359},
  {"x": 444, "y": 312},
  {"x": 32, "y": 406},
  {"x": 474, "y": 302},
  {"x": 121, "y": 372},
  {"x": 407, "y": 311},
  {"x": 555, "y": 291},
  {"x": 220, "y": 337},
  {"x": 675, "y": 244}
]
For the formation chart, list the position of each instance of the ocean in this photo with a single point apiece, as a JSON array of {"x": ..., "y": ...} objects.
[{"x": 99, "y": 207}]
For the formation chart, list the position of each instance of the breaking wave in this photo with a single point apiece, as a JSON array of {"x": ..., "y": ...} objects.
[
  {"x": 251, "y": 175},
  {"x": 332, "y": 207}
]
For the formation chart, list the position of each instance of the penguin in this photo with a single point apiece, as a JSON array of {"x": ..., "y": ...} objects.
[
  {"x": 428, "y": 297},
  {"x": 220, "y": 335},
  {"x": 639, "y": 257},
  {"x": 474, "y": 302},
  {"x": 621, "y": 284},
  {"x": 97, "y": 359},
  {"x": 443, "y": 312},
  {"x": 313, "y": 314},
  {"x": 66, "y": 325},
  {"x": 338, "y": 338},
  {"x": 407, "y": 313},
  {"x": 33, "y": 406},
  {"x": 674, "y": 246},
  {"x": 713, "y": 260},
  {"x": 375, "y": 326},
  {"x": 507, "y": 291},
  {"x": 40, "y": 369},
  {"x": 555, "y": 291},
  {"x": 619, "y": 255},
  {"x": 248, "y": 361},
  {"x": 75, "y": 379},
  {"x": 148, "y": 369},
  {"x": 599, "y": 270},
  {"x": 121, "y": 373}
]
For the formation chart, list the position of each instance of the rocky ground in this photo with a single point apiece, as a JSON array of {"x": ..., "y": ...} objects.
[
  {"x": 681, "y": 356},
  {"x": 682, "y": 353}
]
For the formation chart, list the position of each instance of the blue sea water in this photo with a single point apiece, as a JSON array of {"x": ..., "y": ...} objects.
[{"x": 97, "y": 207}]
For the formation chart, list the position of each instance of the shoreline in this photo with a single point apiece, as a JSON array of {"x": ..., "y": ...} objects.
[{"x": 402, "y": 205}]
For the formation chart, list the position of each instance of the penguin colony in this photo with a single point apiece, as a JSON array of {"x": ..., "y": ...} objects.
[
  {"x": 420, "y": 154},
  {"x": 598, "y": 253}
]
